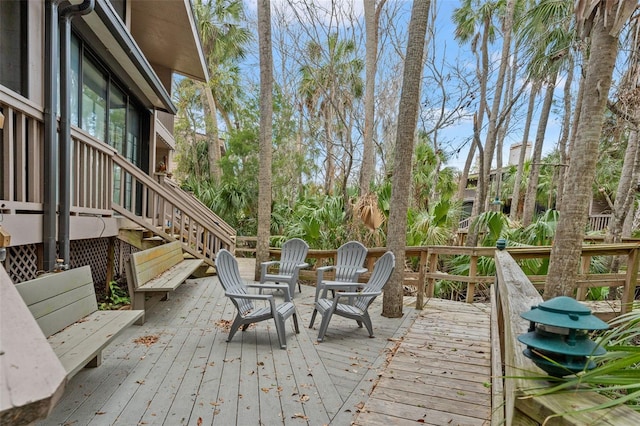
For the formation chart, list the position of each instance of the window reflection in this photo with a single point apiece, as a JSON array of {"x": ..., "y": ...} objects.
[{"x": 94, "y": 100}]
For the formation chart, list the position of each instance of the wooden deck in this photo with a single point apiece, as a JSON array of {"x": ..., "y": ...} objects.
[
  {"x": 177, "y": 369},
  {"x": 440, "y": 373}
]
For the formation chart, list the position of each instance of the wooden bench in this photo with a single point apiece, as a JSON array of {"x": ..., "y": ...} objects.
[
  {"x": 160, "y": 269},
  {"x": 65, "y": 307}
]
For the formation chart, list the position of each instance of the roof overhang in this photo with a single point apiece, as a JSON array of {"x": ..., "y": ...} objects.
[
  {"x": 167, "y": 33},
  {"x": 108, "y": 36}
]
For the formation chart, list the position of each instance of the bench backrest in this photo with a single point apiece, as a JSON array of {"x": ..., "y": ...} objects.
[
  {"x": 57, "y": 300},
  {"x": 148, "y": 264}
]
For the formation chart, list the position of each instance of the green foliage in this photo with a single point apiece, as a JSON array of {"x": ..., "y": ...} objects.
[
  {"x": 116, "y": 298},
  {"x": 617, "y": 374}
]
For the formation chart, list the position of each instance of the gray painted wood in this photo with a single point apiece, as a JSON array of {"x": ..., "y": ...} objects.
[
  {"x": 65, "y": 307},
  {"x": 191, "y": 373},
  {"x": 160, "y": 269},
  {"x": 32, "y": 379}
]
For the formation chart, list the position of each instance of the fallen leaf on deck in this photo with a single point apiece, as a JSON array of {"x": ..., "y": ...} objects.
[
  {"x": 100, "y": 412},
  {"x": 199, "y": 422},
  {"x": 146, "y": 340},
  {"x": 299, "y": 416},
  {"x": 304, "y": 397},
  {"x": 265, "y": 390}
]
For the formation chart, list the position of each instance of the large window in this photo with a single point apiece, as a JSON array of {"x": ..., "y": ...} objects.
[
  {"x": 107, "y": 112},
  {"x": 101, "y": 107},
  {"x": 94, "y": 100},
  {"x": 13, "y": 44}
]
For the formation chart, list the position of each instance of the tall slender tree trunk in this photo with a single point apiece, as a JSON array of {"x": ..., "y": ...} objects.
[
  {"x": 534, "y": 175},
  {"x": 405, "y": 137},
  {"x": 213, "y": 137},
  {"x": 567, "y": 245},
  {"x": 492, "y": 131},
  {"x": 371, "y": 19},
  {"x": 266, "y": 131},
  {"x": 514, "y": 214},
  {"x": 625, "y": 193},
  {"x": 563, "y": 144}
]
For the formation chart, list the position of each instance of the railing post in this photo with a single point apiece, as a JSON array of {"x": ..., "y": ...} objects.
[
  {"x": 421, "y": 279},
  {"x": 473, "y": 271},
  {"x": 585, "y": 264},
  {"x": 433, "y": 266},
  {"x": 631, "y": 279}
]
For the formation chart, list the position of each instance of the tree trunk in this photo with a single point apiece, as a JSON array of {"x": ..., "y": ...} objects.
[
  {"x": 534, "y": 175},
  {"x": 567, "y": 245},
  {"x": 515, "y": 198},
  {"x": 408, "y": 117},
  {"x": 214, "y": 139},
  {"x": 371, "y": 19},
  {"x": 266, "y": 130},
  {"x": 492, "y": 131},
  {"x": 563, "y": 144},
  {"x": 625, "y": 193}
]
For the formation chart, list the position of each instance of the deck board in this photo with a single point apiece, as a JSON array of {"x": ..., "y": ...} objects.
[
  {"x": 439, "y": 373},
  {"x": 192, "y": 376}
]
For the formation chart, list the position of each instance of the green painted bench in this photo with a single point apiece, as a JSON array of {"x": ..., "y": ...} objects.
[
  {"x": 159, "y": 269},
  {"x": 65, "y": 307}
]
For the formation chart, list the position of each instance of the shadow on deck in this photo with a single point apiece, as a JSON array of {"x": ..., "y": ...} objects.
[{"x": 178, "y": 369}]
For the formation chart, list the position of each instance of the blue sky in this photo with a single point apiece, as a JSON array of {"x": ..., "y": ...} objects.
[{"x": 454, "y": 139}]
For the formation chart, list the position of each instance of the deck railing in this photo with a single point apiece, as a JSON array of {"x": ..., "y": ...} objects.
[
  {"x": 22, "y": 154},
  {"x": 428, "y": 261},
  {"x": 597, "y": 222},
  {"x": 148, "y": 203},
  {"x": 520, "y": 402},
  {"x": 102, "y": 181}
]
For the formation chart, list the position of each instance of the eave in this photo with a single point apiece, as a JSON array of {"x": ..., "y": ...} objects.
[{"x": 108, "y": 36}]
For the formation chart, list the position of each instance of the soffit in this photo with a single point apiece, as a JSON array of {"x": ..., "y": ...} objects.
[
  {"x": 167, "y": 34},
  {"x": 103, "y": 30}
]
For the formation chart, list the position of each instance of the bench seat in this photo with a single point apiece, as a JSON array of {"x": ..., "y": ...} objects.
[
  {"x": 65, "y": 307},
  {"x": 159, "y": 269},
  {"x": 172, "y": 277},
  {"x": 81, "y": 343}
]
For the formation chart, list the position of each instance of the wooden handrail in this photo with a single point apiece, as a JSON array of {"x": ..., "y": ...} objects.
[
  {"x": 514, "y": 295},
  {"x": 149, "y": 205},
  {"x": 194, "y": 203},
  {"x": 427, "y": 273}
]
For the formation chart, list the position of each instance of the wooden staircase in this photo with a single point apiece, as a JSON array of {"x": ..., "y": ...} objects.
[{"x": 159, "y": 211}]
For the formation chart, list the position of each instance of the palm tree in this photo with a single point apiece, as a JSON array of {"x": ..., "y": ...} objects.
[
  {"x": 548, "y": 34},
  {"x": 408, "y": 115},
  {"x": 330, "y": 84},
  {"x": 266, "y": 129},
  {"x": 470, "y": 15},
  {"x": 628, "y": 112},
  {"x": 603, "y": 23},
  {"x": 224, "y": 41},
  {"x": 371, "y": 18}
]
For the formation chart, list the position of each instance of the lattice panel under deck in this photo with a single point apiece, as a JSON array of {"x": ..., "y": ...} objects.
[
  {"x": 22, "y": 262},
  {"x": 93, "y": 252}
]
